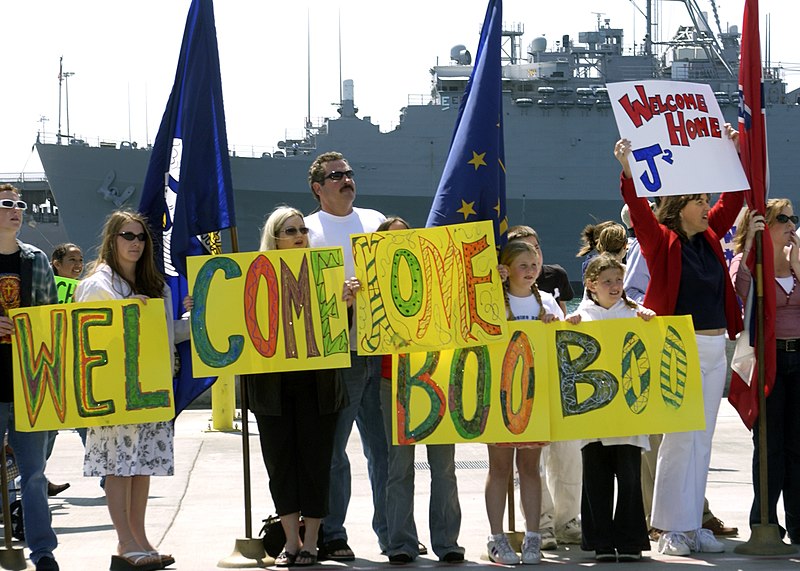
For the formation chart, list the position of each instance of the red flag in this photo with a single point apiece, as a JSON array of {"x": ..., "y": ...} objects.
[{"x": 753, "y": 148}]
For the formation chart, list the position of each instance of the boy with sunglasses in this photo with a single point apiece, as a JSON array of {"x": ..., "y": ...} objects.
[
  {"x": 26, "y": 279},
  {"x": 332, "y": 184}
]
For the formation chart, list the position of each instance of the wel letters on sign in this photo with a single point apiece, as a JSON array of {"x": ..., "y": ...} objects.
[{"x": 91, "y": 364}]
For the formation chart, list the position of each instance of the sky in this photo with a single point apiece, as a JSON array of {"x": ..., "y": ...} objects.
[{"x": 124, "y": 55}]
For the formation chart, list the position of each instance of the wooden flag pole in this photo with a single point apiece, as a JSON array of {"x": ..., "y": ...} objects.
[{"x": 765, "y": 537}]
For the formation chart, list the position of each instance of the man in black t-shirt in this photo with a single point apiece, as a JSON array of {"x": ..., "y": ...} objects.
[{"x": 26, "y": 279}]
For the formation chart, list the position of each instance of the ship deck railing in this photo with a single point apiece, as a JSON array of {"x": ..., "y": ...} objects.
[
  {"x": 22, "y": 177},
  {"x": 253, "y": 151}
]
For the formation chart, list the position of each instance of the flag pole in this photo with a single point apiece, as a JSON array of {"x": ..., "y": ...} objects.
[
  {"x": 247, "y": 552},
  {"x": 765, "y": 537},
  {"x": 763, "y": 484}
]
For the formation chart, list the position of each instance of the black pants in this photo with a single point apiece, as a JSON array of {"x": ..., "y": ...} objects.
[
  {"x": 783, "y": 447},
  {"x": 297, "y": 448},
  {"x": 605, "y": 528}
]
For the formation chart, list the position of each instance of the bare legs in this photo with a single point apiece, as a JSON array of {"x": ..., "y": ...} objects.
[
  {"x": 127, "y": 504},
  {"x": 291, "y": 527},
  {"x": 501, "y": 464}
]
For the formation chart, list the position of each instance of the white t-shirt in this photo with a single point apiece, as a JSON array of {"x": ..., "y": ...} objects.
[
  {"x": 329, "y": 230},
  {"x": 527, "y": 308},
  {"x": 590, "y": 311},
  {"x": 103, "y": 284}
]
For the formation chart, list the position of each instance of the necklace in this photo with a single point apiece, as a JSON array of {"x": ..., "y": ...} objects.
[{"x": 791, "y": 291}]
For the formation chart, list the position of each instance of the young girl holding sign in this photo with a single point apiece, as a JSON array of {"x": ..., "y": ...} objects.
[
  {"x": 520, "y": 262},
  {"x": 127, "y": 455},
  {"x": 621, "y": 532}
]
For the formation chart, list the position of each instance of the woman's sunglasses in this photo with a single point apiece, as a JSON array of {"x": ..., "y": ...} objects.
[
  {"x": 783, "y": 219},
  {"x": 292, "y": 231},
  {"x": 130, "y": 236}
]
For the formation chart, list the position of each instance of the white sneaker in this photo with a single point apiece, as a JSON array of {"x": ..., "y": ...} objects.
[
  {"x": 500, "y": 550},
  {"x": 532, "y": 548},
  {"x": 673, "y": 543},
  {"x": 705, "y": 542},
  {"x": 571, "y": 533},
  {"x": 548, "y": 539}
]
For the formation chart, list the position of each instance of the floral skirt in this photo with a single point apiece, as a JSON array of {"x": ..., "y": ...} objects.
[{"x": 129, "y": 450}]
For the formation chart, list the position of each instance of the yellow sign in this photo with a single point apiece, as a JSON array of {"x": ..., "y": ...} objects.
[
  {"x": 556, "y": 381},
  {"x": 65, "y": 288},
  {"x": 91, "y": 364},
  {"x": 280, "y": 310},
  {"x": 433, "y": 288}
]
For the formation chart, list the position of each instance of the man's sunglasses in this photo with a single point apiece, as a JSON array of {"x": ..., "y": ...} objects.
[
  {"x": 130, "y": 236},
  {"x": 9, "y": 203},
  {"x": 339, "y": 175},
  {"x": 783, "y": 219}
]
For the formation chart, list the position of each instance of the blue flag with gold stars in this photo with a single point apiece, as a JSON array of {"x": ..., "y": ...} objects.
[{"x": 473, "y": 184}]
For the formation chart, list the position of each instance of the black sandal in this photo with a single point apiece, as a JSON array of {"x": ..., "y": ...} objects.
[
  {"x": 285, "y": 559},
  {"x": 310, "y": 559},
  {"x": 339, "y": 545}
]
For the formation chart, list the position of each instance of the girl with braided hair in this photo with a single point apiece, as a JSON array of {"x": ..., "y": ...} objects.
[{"x": 521, "y": 263}]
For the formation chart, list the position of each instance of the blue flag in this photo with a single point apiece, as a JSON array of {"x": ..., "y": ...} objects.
[
  {"x": 188, "y": 194},
  {"x": 473, "y": 184}
]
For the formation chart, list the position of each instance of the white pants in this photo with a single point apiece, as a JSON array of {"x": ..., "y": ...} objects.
[
  {"x": 562, "y": 473},
  {"x": 684, "y": 457}
]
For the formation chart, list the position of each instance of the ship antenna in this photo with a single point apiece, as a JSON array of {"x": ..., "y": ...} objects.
[
  {"x": 308, "y": 70},
  {"x": 60, "y": 79},
  {"x": 130, "y": 137},
  {"x": 340, "y": 57}
]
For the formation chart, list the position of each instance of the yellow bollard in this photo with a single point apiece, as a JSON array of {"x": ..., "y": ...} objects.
[{"x": 223, "y": 403}]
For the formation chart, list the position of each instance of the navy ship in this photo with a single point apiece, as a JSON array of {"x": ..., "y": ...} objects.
[{"x": 559, "y": 132}]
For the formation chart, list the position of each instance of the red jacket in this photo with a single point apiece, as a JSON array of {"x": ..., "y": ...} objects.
[{"x": 661, "y": 248}]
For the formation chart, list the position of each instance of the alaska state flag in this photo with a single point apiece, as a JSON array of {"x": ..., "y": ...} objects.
[
  {"x": 743, "y": 393},
  {"x": 473, "y": 184},
  {"x": 188, "y": 193}
]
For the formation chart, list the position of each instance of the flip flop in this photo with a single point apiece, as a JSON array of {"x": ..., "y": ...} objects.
[
  {"x": 135, "y": 561},
  {"x": 285, "y": 559},
  {"x": 335, "y": 545},
  {"x": 311, "y": 559},
  {"x": 166, "y": 560}
]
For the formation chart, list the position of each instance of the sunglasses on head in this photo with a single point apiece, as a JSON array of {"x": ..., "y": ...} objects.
[
  {"x": 292, "y": 231},
  {"x": 9, "y": 203},
  {"x": 783, "y": 219},
  {"x": 339, "y": 175},
  {"x": 131, "y": 236}
]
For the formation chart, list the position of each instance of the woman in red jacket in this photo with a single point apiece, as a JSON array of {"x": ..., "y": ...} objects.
[{"x": 688, "y": 276}]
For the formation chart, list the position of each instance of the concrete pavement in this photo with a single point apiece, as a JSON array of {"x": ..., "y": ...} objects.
[{"x": 198, "y": 514}]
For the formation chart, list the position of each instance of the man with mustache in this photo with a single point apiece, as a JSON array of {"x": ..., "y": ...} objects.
[{"x": 333, "y": 185}]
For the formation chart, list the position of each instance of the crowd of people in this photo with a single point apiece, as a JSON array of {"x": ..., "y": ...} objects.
[{"x": 665, "y": 259}]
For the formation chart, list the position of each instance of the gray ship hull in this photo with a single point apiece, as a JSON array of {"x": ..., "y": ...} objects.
[{"x": 561, "y": 174}]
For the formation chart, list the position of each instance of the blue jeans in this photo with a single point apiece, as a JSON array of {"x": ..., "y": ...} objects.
[
  {"x": 362, "y": 383},
  {"x": 444, "y": 511},
  {"x": 783, "y": 447},
  {"x": 29, "y": 452}
]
